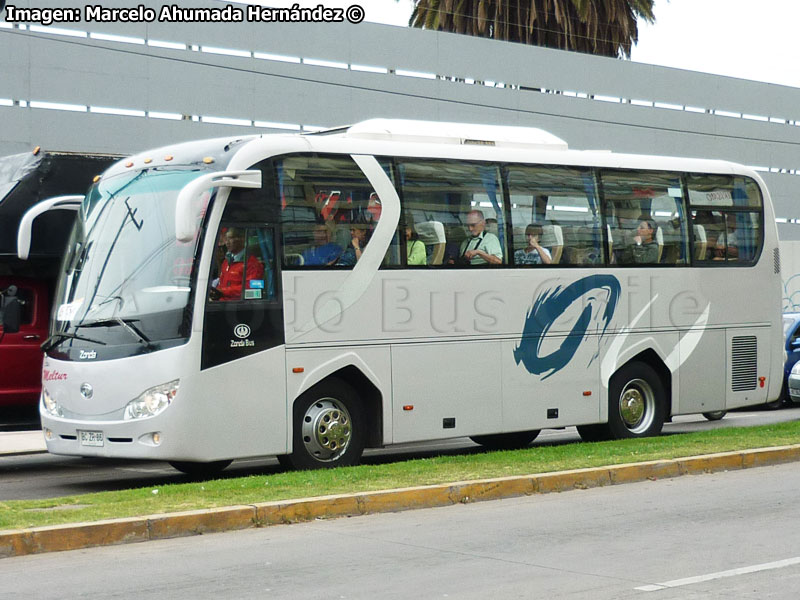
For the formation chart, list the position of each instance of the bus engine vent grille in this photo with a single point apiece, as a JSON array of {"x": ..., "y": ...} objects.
[
  {"x": 776, "y": 255},
  {"x": 744, "y": 354}
]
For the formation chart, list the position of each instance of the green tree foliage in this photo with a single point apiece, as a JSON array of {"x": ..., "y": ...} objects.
[{"x": 605, "y": 27}]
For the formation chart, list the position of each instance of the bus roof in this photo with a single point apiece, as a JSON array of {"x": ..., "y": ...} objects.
[
  {"x": 402, "y": 130},
  {"x": 410, "y": 138},
  {"x": 434, "y": 140}
]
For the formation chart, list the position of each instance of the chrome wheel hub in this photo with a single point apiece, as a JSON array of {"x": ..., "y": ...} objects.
[
  {"x": 327, "y": 429},
  {"x": 637, "y": 405}
]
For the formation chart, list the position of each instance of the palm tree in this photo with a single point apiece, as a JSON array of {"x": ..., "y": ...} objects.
[{"x": 605, "y": 27}]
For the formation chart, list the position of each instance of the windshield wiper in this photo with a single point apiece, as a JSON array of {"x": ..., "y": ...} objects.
[
  {"x": 132, "y": 213},
  {"x": 55, "y": 339},
  {"x": 127, "y": 324}
]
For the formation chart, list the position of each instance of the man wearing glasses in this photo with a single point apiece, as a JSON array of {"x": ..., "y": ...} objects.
[{"x": 482, "y": 247}]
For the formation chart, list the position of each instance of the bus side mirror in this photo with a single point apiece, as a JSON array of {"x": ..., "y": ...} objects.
[
  {"x": 12, "y": 314},
  {"x": 26, "y": 223},
  {"x": 185, "y": 214}
]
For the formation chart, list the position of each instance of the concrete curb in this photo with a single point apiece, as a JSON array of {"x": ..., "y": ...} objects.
[
  {"x": 155, "y": 527},
  {"x": 22, "y": 443},
  {"x": 21, "y": 452}
]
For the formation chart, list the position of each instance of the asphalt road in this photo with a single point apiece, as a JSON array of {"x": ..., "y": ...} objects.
[
  {"x": 46, "y": 476},
  {"x": 726, "y": 535}
]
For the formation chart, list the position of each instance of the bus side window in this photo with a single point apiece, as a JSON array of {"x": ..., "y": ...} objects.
[
  {"x": 329, "y": 211},
  {"x": 561, "y": 204},
  {"x": 729, "y": 210},
  {"x": 646, "y": 215},
  {"x": 466, "y": 200},
  {"x": 244, "y": 265}
]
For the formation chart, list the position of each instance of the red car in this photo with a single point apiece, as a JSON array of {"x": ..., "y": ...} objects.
[{"x": 20, "y": 355}]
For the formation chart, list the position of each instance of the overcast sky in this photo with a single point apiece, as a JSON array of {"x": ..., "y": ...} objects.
[{"x": 739, "y": 38}]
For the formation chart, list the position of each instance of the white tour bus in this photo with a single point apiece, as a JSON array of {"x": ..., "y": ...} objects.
[{"x": 310, "y": 295}]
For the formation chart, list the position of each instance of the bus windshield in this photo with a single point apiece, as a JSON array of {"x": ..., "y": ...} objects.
[{"x": 126, "y": 279}]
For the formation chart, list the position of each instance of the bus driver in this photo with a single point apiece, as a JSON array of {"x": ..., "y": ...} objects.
[{"x": 229, "y": 285}]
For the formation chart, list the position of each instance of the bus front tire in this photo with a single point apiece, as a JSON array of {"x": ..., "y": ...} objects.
[
  {"x": 328, "y": 428},
  {"x": 197, "y": 469},
  {"x": 636, "y": 402},
  {"x": 506, "y": 441}
]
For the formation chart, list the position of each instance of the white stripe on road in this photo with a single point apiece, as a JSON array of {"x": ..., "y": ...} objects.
[{"x": 732, "y": 573}]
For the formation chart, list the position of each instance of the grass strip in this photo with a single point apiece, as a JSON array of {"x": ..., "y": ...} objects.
[{"x": 19, "y": 514}]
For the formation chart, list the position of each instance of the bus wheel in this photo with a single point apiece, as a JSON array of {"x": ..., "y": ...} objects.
[
  {"x": 636, "y": 401},
  {"x": 715, "y": 415},
  {"x": 197, "y": 469},
  {"x": 328, "y": 428},
  {"x": 506, "y": 441}
]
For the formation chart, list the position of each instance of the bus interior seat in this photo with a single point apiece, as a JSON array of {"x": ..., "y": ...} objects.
[
  {"x": 293, "y": 260},
  {"x": 672, "y": 254},
  {"x": 431, "y": 233},
  {"x": 553, "y": 239},
  {"x": 699, "y": 242},
  {"x": 583, "y": 248}
]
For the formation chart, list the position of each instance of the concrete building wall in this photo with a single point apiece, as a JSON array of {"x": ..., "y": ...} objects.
[{"x": 169, "y": 82}]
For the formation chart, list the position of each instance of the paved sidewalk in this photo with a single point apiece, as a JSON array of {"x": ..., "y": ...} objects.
[{"x": 21, "y": 442}]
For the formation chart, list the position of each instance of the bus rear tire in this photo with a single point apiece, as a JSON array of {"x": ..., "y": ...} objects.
[
  {"x": 328, "y": 428},
  {"x": 506, "y": 441},
  {"x": 715, "y": 415},
  {"x": 636, "y": 402},
  {"x": 198, "y": 469}
]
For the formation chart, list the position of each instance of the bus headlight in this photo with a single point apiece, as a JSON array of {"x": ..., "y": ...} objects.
[
  {"x": 151, "y": 402},
  {"x": 51, "y": 407},
  {"x": 796, "y": 368}
]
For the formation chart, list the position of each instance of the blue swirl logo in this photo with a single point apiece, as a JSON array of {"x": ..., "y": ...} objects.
[{"x": 549, "y": 306}]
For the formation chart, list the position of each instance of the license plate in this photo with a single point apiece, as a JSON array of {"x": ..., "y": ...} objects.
[{"x": 91, "y": 438}]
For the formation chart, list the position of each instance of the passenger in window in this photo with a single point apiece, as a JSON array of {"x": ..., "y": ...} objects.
[
  {"x": 713, "y": 230},
  {"x": 533, "y": 253},
  {"x": 359, "y": 234},
  {"x": 645, "y": 248},
  {"x": 727, "y": 244},
  {"x": 482, "y": 247},
  {"x": 374, "y": 207},
  {"x": 324, "y": 252},
  {"x": 232, "y": 272},
  {"x": 415, "y": 248}
]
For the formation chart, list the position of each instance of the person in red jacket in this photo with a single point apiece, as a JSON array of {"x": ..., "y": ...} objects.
[{"x": 232, "y": 274}]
